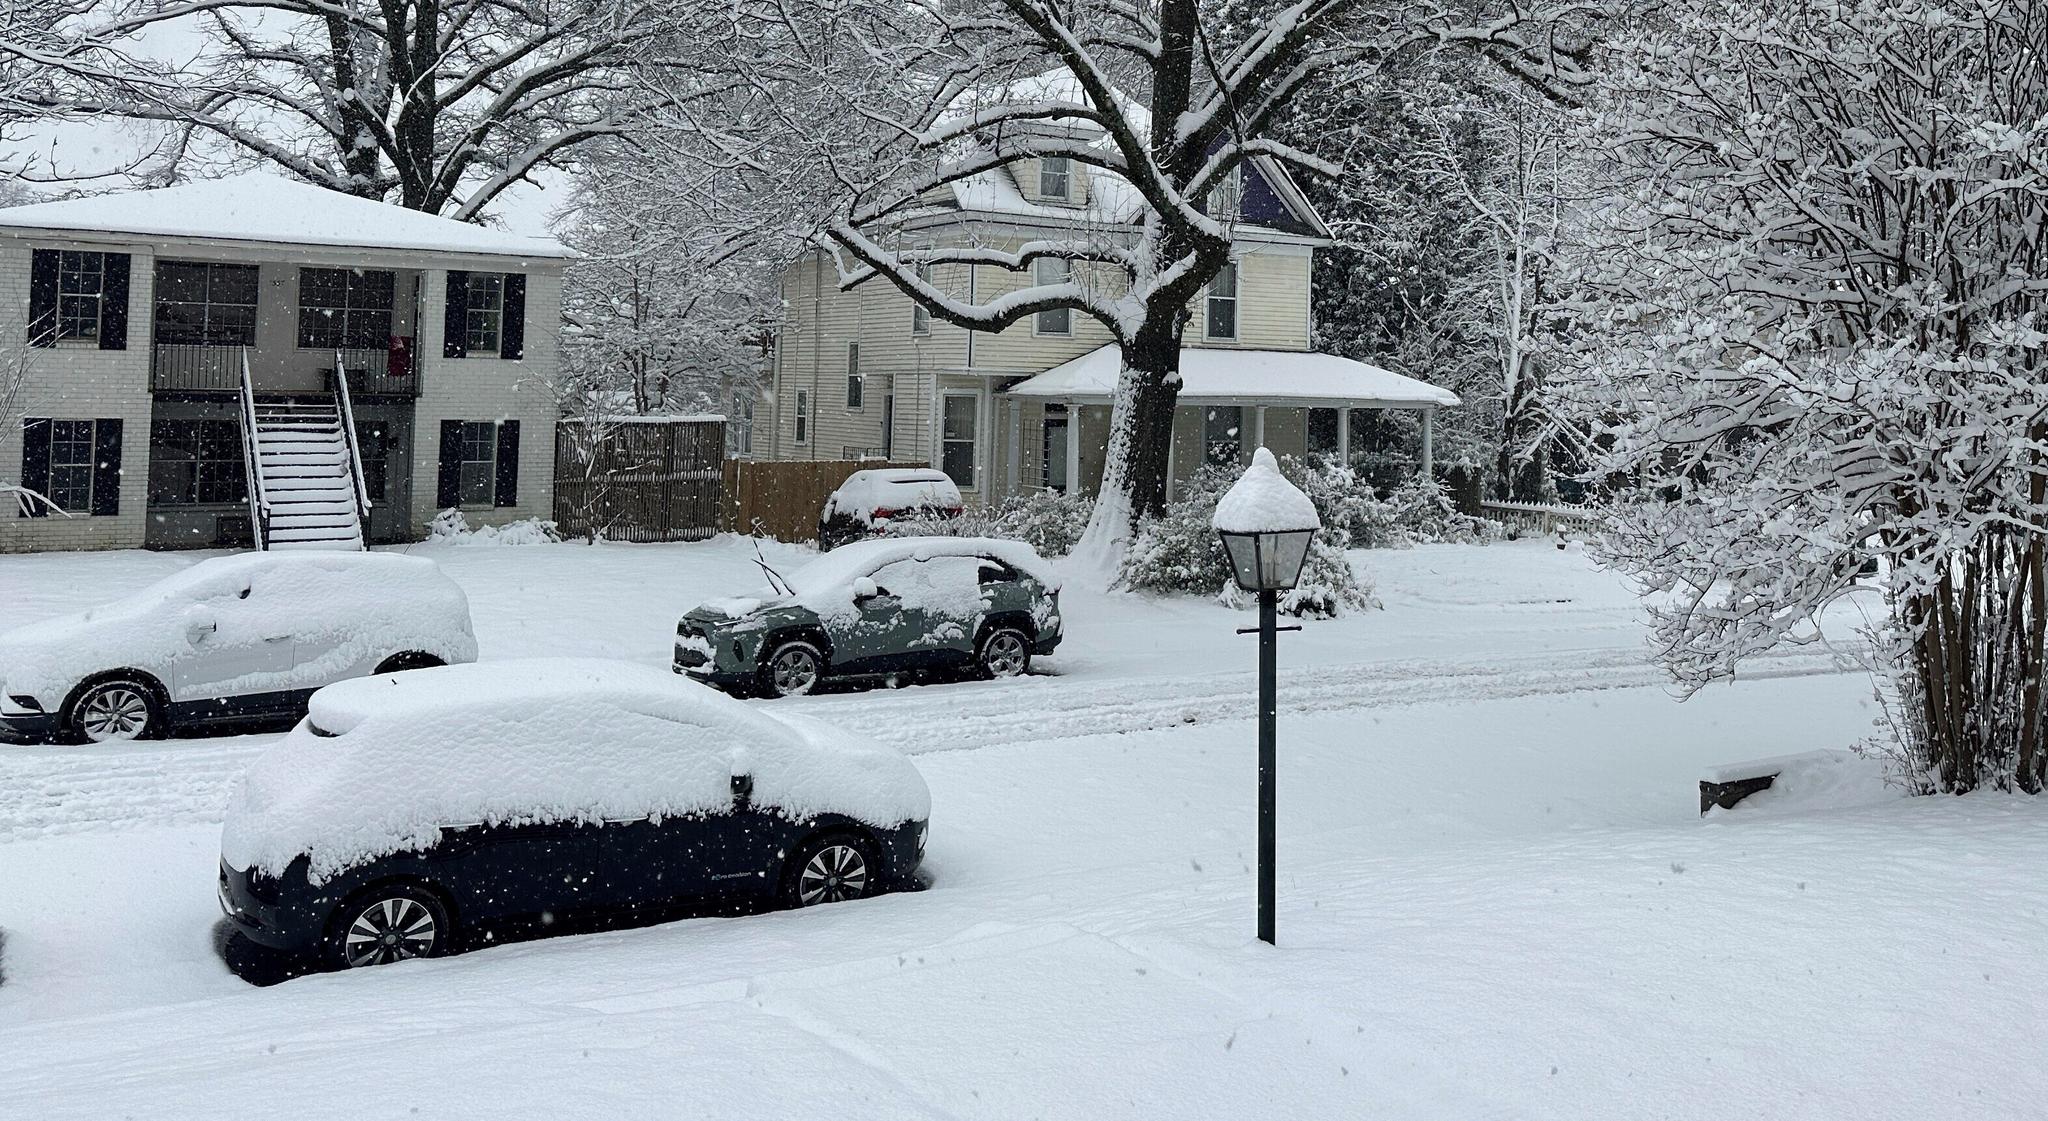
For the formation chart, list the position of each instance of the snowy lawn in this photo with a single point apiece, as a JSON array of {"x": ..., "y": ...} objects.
[{"x": 1496, "y": 896}]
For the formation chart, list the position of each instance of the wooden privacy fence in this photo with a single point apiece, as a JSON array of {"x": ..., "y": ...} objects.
[
  {"x": 782, "y": 500},
  {"x": 639, "y": 479}
]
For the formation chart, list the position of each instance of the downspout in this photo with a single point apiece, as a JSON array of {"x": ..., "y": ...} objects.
[{"x": 817, "y": 346}]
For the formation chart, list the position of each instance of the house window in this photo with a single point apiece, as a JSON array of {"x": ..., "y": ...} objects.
[
  {"x": 344, "y": 309},
  {"x": 1222, "y": 435},
  {"x": 1053, "y": 455},
  {"x": 485, "y": 318},
  {"x": 1053, "y": 321},
  {"x": 856, "y": 388},
  {"x": 803, "y": 416},
  {"x": 956, "y": 450},
  {"x": 888, "y": 426},
  {"x": 1055, "y": 177},
  {"x": 1222, "y": 321},
  {"x": 1226, "y": 198},
  {"x": 205, "y": 305},
  {"x": 81, "y": 289},
  {"x": 920, "y": 315},
  {"x": 196, "y": 461},
  {"x": 739, "y": 428},
  {"x": 71, "y": 463},
  {"x": 478, "y": 467}
]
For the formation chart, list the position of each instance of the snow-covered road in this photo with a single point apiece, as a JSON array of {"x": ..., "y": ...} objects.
[{"x": 1497, "y": 899}]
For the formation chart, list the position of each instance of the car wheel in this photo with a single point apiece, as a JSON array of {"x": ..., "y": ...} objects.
[
  {"x": 833, "y": 868},
  {"x": 793, "y": 669},
  {"x": 1005, "y": 652},
  {"x": 411, "y": 659},
  {"x": 390, "y": 923},
  {"x": 114, "y": 710}
]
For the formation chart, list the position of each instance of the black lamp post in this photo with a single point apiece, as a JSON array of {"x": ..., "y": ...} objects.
[{"x": 1266, "y": 524}]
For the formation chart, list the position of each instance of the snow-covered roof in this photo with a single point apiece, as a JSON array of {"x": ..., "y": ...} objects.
[
  {"x": 267, "y": 208},
  {"x": 1218, "y": 375}
]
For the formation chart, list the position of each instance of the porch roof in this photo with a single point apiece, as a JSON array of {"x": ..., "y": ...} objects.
[
  {"x": 1214, "y": 375},
  {"x": 273, "y": 210}
]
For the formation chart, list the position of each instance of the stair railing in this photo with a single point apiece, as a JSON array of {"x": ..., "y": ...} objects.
[
  {"x": 355, "y": 451},
  {"x": 252, "y": 473}
]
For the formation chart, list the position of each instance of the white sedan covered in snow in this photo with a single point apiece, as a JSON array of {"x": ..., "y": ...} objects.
[{"x": 232, "y": 639}]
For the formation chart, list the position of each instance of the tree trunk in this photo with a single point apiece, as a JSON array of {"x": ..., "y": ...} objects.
[
  {"x": 1522, "y": 472},
  {"x": 1140, "y": 434}
]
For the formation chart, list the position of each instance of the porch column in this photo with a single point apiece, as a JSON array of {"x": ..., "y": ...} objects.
[
  {"x": 1344, "y": 436},
  {"x": 1258, "y": 426},
  {"x": 1016, "y": 468},
  {"x": 1428, "y": 442},
  {"x": 1073, "y": 447}
]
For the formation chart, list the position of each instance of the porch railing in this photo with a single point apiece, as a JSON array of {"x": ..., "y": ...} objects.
[
  {"x": 191, "y": 367},
  {"x": 348, "y": 430},
  {"x": 380, "y": 373},
  {"x": 252, "y": 474}
]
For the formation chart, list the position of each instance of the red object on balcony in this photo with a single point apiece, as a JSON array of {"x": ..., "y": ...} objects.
[{"x": 400, "y": 364}]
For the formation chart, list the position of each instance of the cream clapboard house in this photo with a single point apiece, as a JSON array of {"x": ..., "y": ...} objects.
[
  {"x": 868, "y": 374},
  {"x": 182, "y": 348}
]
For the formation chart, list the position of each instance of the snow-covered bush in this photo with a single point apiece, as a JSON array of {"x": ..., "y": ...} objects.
[
  {"x": 1047, "y": 520},
  {"x": 1416, "y": 511},
  {"x": 1178, "y": 552},
  {"x": 449, "y": 527}
]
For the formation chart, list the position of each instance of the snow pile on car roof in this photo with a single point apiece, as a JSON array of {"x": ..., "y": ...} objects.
[
  {"x": 340, "y": 610},
  {"x": 383, "y": 763}
]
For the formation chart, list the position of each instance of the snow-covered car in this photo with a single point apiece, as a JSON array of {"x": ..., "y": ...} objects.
[
  {"x": 408, "y": 809},
  {"x": 867, "y": 501},
  {"x": 229, "y": 640},
  {"x": 874, "y": 608}
]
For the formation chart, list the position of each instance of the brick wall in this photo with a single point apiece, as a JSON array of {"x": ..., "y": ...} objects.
[{"x": 78, "y": 382}]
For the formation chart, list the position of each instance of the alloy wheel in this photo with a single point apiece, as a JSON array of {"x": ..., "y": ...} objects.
[
  {"x": 833, "y": 874},
  {"x": 389, "y": 930},
  {"x": 114, "y": 712},
  {"x": 1004, "y": 654},
  {"x": 794, "y": 671}
]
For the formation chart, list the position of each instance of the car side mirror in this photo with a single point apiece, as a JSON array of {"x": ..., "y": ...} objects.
[
  {"x": 199, "y": 623},
  {"x": 864, "y": 588}
]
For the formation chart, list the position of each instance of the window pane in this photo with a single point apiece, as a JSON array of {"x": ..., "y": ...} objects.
[
  {"x": 959, "y": 418},
  {"x": 1222, "y": 318},
  {"x": 1222, "y": 429},
  {"x": 1052, "y": 176},
  {"x": 1225, "y": 283},
  {"x": 957, "y": 461},
  {"x": 1058, "y": 321}
]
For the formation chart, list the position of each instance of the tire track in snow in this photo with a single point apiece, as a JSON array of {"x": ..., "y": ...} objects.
[{"x": 50, "y": 791}]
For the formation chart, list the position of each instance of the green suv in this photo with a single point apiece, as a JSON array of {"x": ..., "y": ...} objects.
[{"x": 876, "y": 608}]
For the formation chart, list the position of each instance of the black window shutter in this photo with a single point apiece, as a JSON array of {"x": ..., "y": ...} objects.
[
  {"x": 114, "y": 303},
  {"x": 35, "y": 465},
  {"x": 42, "y": 298},
  {"x": 455, "y": 324},
  {"x": 512, "y": 337},
  {"x": 106, "y": 468},
  {"x": 508, "y": 463},
  {"x": 448, "y": 485}
]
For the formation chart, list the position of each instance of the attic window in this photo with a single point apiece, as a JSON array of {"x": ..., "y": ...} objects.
[{"x": 1054, "y": 177}]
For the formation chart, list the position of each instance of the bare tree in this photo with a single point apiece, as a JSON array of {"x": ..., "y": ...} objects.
[
  {"x": 875, "y": 109},
  {"x": 15, "y": 403},
  {"x": 444, "y": 102},
  {"x": 1814, "y": 339}
]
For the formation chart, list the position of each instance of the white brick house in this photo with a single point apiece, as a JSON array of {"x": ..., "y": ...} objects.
[{"x": 138, "y": 314}]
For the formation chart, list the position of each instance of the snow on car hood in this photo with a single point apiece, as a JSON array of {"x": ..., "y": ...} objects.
[
  {"x": 381, "y": 764},
  {"x": 343, "y": 608}
]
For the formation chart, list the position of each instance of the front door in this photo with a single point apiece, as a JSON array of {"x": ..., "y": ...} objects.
[
  {"x": 1056, "y": 437},
  {"x": 384, "y": 433}
]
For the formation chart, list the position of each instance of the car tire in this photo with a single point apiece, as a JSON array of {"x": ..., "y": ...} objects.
[
  {"x": 114, "y": 710},
  {"x": 830, "y": 868},
  {"x": 784, "y": 673},
  {"x": 1004, "y": 652},
  {"x": 387, "y": 923}
]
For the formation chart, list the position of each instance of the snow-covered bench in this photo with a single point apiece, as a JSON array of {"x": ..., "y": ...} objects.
[{"x": 1730, "y": 783}]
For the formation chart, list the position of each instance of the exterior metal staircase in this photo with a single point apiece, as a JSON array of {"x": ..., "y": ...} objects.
[{"x": 304, "y": 470}]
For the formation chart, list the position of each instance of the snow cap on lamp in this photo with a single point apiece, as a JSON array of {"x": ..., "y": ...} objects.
[{"x": 1266, "y": 523}]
